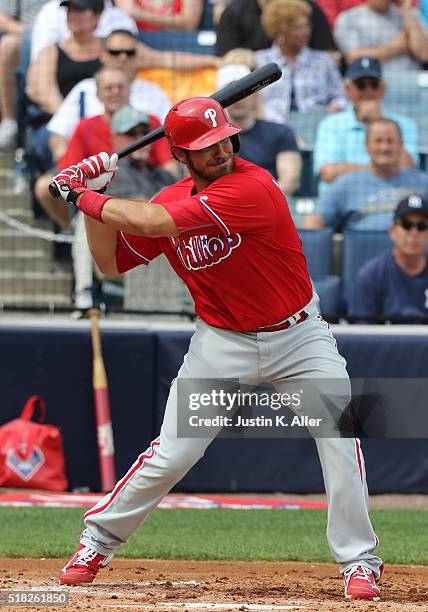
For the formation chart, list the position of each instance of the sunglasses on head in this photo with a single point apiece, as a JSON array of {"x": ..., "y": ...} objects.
[
  {"x": 366, "y": 82},
  {"x": 421, "y": 226},
  {"x": 127, "y": 52}
]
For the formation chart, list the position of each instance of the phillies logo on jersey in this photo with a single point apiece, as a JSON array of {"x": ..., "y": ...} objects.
[{"x": 203, "y": 251}]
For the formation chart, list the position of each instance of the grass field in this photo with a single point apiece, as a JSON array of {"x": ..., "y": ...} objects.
[{"x": 274, "y": 535}]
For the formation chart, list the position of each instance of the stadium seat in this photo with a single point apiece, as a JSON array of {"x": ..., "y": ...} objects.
[
  {"x": 305, "y": 127},
  {"x": 358, "y": 247},
  {"x": 328, "y": 289},
  {"x": 197, "y": 41},
  {"x": 318, "y": 249},
  {"x": 422, "y": 123},
  {"x": 407, "y": 92}
]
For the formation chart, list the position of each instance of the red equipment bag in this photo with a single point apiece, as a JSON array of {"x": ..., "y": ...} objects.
[{"x": 32, "y": 454}]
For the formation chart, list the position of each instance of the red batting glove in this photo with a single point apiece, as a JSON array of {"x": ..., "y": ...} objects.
[
  {"x": 99, "y": 169},
  {"x": 70, "y": 182}
]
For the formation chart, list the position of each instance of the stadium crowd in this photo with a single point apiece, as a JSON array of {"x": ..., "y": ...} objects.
[{"x": 342, "y": 131}]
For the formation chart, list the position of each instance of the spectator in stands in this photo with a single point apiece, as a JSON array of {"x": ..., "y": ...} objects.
[
  {"x": 55, "y": 72},
  {"x": 310, "y": 79},
  {"x": 119, "y": 49},
  {"x": 332, "y": 8},
  {"x": 93, "y": 135},
  {"x": 60, "y": 67},
  {"x": 137, "y": 177},
  {"x": 176, "y": 15},
  {"x": 366, "y": 198},
  {"x": 340, "y": 140},
  {"x": 395, "y": 283},
  {"x": 265, "y": 143},
  {"x": 50, "y": 26},
  {"x": 389, "y": 30},
  {"x": 240, "y": 26},
  {"x": 15, "y": 18}
]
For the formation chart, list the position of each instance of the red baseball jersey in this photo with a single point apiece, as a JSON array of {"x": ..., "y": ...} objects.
[{"x": 238, "y": 250}]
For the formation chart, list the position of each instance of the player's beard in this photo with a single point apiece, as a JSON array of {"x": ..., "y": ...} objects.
[{"x": 222, "y": 170}]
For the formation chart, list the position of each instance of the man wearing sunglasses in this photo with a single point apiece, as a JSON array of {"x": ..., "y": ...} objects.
[
  {"x": 120, "y": 49},
  {"x": 395, "y": 283},
  {"x": 340, "y": 141}
]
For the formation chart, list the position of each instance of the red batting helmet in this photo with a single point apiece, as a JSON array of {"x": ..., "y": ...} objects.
[{"x": 197, "y": 123}]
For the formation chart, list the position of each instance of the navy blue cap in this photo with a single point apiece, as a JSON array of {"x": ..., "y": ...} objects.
[
  {"x": 412, "y": 204},
  {"x": 97, "y": 6},
  {"x": 364, "y": 67}
]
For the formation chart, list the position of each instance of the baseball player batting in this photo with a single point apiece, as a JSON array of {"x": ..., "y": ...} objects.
[{"x": 228, "y": 233}]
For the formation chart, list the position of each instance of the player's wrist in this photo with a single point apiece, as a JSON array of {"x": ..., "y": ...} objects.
[{"x": 91, "y": 203}]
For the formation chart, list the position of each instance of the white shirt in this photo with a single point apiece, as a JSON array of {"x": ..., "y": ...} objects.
[
  {"x": 50, "y": 25},
  {"x": 144, "y": 96}
]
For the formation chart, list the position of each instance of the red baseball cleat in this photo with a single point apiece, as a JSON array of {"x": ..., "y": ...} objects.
[
  {"x": 83, "y": 566},
  {"x": 360, "y": 583}
]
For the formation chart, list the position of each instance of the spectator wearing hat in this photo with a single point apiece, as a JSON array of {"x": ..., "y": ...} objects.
[
  {"x": 59, "y": 67},
  {"x": 392, "y": 31},
  {"x": 138, "y": 177},
  {"x": 119, "y": 49},
  {"x": 15, "y": 18},
  {"x": 365, "y": 199},
  {"x": 50, "y": 25},
  {"x": 340, "y": 140},
  {"x": 270, "y": 145},
  {"x": 93, "y": 135},
  {"x": 55, "y": 72},
  {"x": 395, "y": 283}
]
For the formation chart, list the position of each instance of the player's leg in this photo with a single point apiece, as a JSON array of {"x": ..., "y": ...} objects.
[
  {"x": 309, "y": 353},
  {"x": 212, "y": 354}
]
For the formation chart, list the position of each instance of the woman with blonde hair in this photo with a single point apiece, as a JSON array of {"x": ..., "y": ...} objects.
[{"x": 310, "y": 79}]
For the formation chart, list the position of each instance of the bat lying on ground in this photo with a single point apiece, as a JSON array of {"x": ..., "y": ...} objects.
[{"x": 235, "y": 91}]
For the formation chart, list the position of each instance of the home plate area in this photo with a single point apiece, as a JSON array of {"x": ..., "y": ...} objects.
[{"x": 180, "y": 585}]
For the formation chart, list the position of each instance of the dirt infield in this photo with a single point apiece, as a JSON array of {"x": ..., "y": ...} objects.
[{"x": 171, "y": 586}]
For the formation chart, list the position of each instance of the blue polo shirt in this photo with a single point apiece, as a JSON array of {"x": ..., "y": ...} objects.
[
  {"x": 382, "y": 288},
  {"x": 341, "y": 137}
]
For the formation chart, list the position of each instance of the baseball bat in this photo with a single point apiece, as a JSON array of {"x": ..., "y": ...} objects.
[
  {"x": 233, "y": 92},
  {"x": 102, "y": 407}
]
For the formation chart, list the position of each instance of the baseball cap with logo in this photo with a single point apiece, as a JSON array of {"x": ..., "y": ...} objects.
[
  {"x": 413, "y": 203},
  {"x": 364, "y": 67},
  {"x": 97, "y": 6},
  {"x": 127, "y": 118}
]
